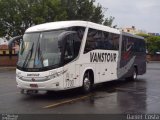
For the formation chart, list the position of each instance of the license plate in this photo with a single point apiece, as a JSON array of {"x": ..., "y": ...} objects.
[{"x": 34, "y": 85}]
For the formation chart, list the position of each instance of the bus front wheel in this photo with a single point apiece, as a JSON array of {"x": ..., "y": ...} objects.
[{"x": 87, "y": 83}]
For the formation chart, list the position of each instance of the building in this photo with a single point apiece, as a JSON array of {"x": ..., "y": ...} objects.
[
  {"x": 154, "y": 34},
  {"x": 5, "y": 51},
  {"x": 5, "y": 60},
  {"x": 133, "y": 30}
]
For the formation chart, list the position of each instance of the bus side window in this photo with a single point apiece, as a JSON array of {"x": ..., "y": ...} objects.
[
  {"x": 77, "y": 44},
  {"x": 69, "y": 49},
  {"x": 116, "y": 41},
  {"x": 142, "y": 46},
  {"x": 111, "y": 41},
  {"x": 124, "y": 43},
  {"x": 90, "y": 42},
  {"x": 72, "y": 47}
]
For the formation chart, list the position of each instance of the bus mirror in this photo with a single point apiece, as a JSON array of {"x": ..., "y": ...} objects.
[
  {"x": 10, "y": 43},
  {"x": 67, "y": 33}
]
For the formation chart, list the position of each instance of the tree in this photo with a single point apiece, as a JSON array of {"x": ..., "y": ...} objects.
[
  {"x": 143, "y": 35},
  {"x": 109, "y": 21},
  {"x": 153, "y": 43},
  {"x": 17, "y": 15},
  {"x": 83, "y": 10}
]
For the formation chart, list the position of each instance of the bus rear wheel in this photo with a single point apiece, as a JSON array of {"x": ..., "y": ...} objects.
[
  {"x": 87, "y": 83},
  {"x": 134, "y": 75}
]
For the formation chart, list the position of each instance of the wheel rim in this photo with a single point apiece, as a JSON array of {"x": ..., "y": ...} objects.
[
  {"x": 87, "y": 84},
  {"x": 135, "y": 75}
]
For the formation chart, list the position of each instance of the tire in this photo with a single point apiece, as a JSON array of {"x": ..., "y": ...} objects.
[
  {"x": 87, "y": 83},
  {"x": 134, "y": 75}
]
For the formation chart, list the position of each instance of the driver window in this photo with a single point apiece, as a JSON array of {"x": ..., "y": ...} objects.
[{"x": 69, "y": 51}]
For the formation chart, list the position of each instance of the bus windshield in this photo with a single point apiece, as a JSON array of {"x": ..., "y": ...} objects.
[{"x": 40, "y": 50}]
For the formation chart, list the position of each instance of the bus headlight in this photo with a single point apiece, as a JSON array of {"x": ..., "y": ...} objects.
[
  {"x": 30, "y": 79},
  {"x": 18, "y": 76},
  {"x": 57, "y": 74}
]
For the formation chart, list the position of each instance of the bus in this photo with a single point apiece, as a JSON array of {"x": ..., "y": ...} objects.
[{"x": 70, "y": 54}]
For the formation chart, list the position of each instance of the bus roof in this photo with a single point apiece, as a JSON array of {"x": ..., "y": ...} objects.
[
  {"x": 66, "y": 24},
  {"x": 132, "y": 35}
]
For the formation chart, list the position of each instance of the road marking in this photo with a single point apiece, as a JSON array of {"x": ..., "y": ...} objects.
[{"x": 67, "y": 101}]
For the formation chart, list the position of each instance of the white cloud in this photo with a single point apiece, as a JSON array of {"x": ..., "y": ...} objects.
[{"x": 144, "y": 14}]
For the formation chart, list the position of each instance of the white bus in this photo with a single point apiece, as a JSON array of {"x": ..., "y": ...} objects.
[{"x": 69, "y": 54}]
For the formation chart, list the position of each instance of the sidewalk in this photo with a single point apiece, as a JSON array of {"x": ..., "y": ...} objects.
[
  {"x": 154, "y": 62},
  {"x": 7, "y": 68}
]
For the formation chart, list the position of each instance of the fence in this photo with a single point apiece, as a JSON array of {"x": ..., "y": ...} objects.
[
  {"x": 153, "y": 57},
  {"x": 6, "y": 61}
]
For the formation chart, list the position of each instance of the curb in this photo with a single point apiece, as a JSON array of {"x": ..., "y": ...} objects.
[
  {"x": 154, "y": 62},
  {"x": 7, "y": 68}
]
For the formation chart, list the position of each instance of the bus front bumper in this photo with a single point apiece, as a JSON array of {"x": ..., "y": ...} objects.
[{"x": 53, "y": 85}]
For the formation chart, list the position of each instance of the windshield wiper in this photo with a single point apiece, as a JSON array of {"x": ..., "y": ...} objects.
[
  {"x": 28, "y": 57},
  {"x": 40, "y": 57}
]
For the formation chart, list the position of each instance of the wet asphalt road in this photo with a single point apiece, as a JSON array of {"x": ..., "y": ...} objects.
[{"x": 140, "y": 96}]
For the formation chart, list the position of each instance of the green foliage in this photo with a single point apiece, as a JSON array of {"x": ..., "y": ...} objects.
[
  {"x": 83, "y": 10},
  {"x": 17, "y": 15},
  {"x": 109, "y": 21},
  {"x": 143, "y": 35},
  {"x": 153, "y": 43}
]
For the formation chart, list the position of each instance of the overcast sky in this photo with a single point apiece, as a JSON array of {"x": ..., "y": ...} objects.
[{"x": 143, "y": 14}]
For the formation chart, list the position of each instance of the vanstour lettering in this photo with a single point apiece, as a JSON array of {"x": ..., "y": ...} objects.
[{"x": 103, "y": 57}]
